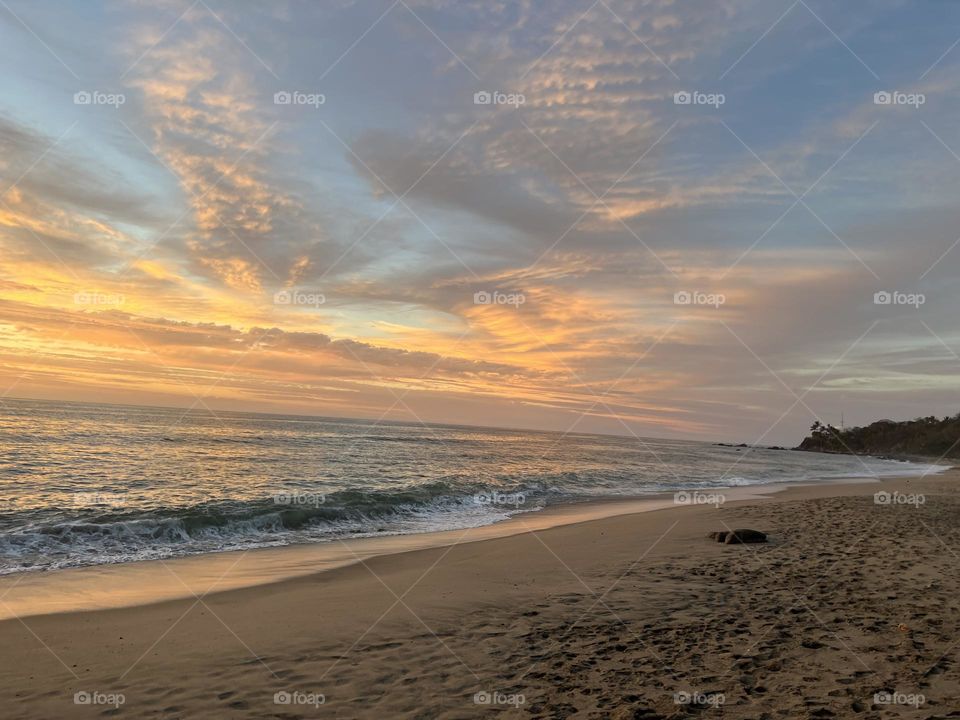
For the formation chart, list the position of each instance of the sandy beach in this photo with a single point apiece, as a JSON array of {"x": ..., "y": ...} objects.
[{"x": 851, "y": 610}]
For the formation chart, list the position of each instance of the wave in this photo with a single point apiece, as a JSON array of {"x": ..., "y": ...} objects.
[
  {"x": 416, "y": 439},
  {"x": 287, "y": 518},
  {"x": 253, "y": 440}
]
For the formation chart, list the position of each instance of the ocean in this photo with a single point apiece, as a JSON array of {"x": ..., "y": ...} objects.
[{"x": 87, "y": 484}]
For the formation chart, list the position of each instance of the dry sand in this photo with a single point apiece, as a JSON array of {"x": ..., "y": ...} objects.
[{"x": 613, "y": 618}]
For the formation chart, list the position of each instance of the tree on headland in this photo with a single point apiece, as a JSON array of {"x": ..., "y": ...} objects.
[{"x": 926, "y": 436}]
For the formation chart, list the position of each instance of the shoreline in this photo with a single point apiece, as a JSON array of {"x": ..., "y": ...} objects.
[
  {"x": 130, "y": 584},
  {"x": 610, "y": 617}
]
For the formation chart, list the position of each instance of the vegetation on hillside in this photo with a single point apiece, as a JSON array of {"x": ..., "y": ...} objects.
[{"x": 929, "y": 436}]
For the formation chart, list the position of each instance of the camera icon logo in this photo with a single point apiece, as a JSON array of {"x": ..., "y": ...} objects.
[
  {"x": 881, "y": 498},
  {"x": 82, "y": 98},
  {"x": 882, "y": 298},
  {"x": 82, "y": 698},
  {"x": 882, "y": 98},
  {"x": 282, "y": 297},
  {"x": 682, "y": 98},
  {"x": 682, "y": 298},
  {"x": 282, "y": 697},
  {"x": 282, "y": 98},
  {"x": 482, "y": 98},
  {"x": 482, "y": 698},
  {"x": 482, "y": 297}
]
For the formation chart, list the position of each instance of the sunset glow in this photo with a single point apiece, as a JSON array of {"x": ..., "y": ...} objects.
[{"x": 491, "y": 214}]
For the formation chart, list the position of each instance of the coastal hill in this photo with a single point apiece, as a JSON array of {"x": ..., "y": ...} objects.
[{"x": 928, "y": 436}]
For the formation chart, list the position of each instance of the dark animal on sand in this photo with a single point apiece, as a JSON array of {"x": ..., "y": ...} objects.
[{"x": 737, "y": 537}]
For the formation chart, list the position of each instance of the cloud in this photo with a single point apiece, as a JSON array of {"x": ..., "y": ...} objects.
[
  {"x": 62, "y": 207},
  {"x": 496, "y": 198}
]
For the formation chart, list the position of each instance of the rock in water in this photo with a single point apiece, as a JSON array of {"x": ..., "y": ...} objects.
[{"x": 744, "y": 536}]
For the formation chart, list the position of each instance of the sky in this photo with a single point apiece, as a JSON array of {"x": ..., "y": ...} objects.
[{"x": 715, "y": 220}]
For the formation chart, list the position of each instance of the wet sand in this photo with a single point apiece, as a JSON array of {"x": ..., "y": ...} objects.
[{"x": 851, "y": 610}]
